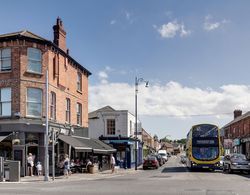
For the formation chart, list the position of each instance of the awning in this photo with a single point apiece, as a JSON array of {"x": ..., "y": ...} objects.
[
  {"x": 4, "y": 136},
  {"x": 78, "y": 144},
  {"x": 84, "y": 144}
]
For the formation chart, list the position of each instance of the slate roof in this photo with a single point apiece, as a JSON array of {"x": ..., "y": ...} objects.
[
  {"x": 239, "y": 118},
  {"x": 25, "y": 34}
]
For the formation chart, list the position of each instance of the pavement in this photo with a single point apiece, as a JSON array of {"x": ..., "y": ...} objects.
[{"x": 81, "y": 176}]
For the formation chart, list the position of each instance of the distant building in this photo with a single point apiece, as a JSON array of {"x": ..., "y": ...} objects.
[
  {"x": 237, "y": 134},
  {"x": 117, "y": 128},
  {"x": 168, "y": 147}
]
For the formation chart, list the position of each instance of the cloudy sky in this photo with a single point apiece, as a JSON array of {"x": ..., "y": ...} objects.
[{"x": 195, "y": 55}]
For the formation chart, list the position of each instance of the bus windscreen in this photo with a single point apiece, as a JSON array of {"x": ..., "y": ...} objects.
[{"x": 205, "y": 130}]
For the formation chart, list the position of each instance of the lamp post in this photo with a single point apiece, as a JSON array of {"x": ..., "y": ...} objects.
[
  {"x": 46, "y": 152},
  {"x": 137, "y": 81}
]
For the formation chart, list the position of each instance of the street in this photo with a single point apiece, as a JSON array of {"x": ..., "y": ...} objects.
[{"x": 172, "y": 178}]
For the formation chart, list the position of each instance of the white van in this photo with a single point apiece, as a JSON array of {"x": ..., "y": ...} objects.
[{"x": 163, "y": 153}]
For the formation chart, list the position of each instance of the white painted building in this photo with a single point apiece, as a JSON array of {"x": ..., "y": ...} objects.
[
  {"x": 108, "y": 122},
  {"x": 117, "y": 128}
]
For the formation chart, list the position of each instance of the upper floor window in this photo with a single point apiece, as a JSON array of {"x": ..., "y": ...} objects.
[
  {"x": 5, "y": 60},
  {"x": 111, "y": 126},
  {"x": 34, "y": 60},
  {"x": 79, "y": 113},
  {"x": 79, "y": 81},
  {"x": 5, "y": 102},
  {"x": 52, "y": 105},
  {"x": 34, "y": 102},
  {"x": 68, "y": 110}
]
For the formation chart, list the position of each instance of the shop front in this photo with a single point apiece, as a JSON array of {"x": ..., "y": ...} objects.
[
  {"x": 237, "y": 146},
  {"x": 245, "y": 142},
  {"x": 125, "y": 155}
]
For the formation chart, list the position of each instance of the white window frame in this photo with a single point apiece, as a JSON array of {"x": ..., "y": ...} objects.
[
  {"x": 112, "y": 131},
  {"x": 5, "y": 59},
  {"x": 79, "y": 81},
  {"x": 79, "y": 114},
  {"x": 4, "y": 102},
  {"x": 34, "y": 102},
  {"x": 67, "y": 111},
  {"x": 53, "y": 105},
  {"x": 38, "y": 61}
]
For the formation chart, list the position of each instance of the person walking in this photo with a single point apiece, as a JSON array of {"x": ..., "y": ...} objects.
[
  {"x": 39, "y": 168},
  {"x": 30, "y": 164},
  {"x": 66, "y": 165},
  {"x": 112, "y": 163}
]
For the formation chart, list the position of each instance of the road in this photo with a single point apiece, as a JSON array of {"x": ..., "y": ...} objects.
[{"x": 173, "y": 178}]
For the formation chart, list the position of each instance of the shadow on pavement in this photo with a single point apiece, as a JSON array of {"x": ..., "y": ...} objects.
[{"x": 174, "y": 169}]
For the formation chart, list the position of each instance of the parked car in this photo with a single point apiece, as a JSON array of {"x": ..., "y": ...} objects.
[
  {"x": 183, "y": 159},
  {"x": 163, "y": 153},
  {"x": 161, "y": 161},
  {"x": 150, "y": 162},
  {"x": 222, "y": 158},
  {"x": 236, "y": 162}
]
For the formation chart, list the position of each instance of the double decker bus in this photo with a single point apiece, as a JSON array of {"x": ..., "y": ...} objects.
[{"x": 203, "y": 147}]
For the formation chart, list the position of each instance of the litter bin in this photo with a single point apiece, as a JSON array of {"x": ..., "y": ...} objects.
[
  {"x": 12, "y": 171},
  {"x": 91, "y": 169}
]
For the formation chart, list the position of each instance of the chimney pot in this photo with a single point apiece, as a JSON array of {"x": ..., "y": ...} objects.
[{"x": 237, "y": 113}]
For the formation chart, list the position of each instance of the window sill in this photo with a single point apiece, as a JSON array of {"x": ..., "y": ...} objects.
[
  {"x": 34, "y": 117},
  {"x": 7, "y": 71},
  {"x": 5, "y": 117},
  {"x": 79, "y": 91},
  {"x": 34, "y": 73}
]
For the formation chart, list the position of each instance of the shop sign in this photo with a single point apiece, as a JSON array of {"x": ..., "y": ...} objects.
[
  {"x": 244, "y": 140},
  {"x": 228, "y": 143},
  {"x": 236, "y": 142}
]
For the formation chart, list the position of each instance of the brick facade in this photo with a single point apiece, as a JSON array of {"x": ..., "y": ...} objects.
[
  {"x": 237, "y": 133},
  {"x": 63, "y": 72}
]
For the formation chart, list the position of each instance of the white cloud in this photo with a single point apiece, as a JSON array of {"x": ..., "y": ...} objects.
[
  {"x": 171, "y": 99},
  {"x": 171, "y": 29},
  {"x": 210, "y": 25}
]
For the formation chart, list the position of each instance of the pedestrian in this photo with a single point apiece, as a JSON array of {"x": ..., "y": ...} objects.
[
  {"x": 66, "y": 165},
  {"x": 112, "y": 163},
  {"x": 39, "y": 168},
  {"x": 30, "y": 164}
]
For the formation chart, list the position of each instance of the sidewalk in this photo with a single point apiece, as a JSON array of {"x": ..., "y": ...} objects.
[{"x": 82, "y": 176}]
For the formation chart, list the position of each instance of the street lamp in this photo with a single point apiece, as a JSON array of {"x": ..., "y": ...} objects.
[{"x": 137, "y": 81}]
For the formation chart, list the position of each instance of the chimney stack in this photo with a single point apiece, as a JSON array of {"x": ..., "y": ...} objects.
[
  {"x": 60, "y": 35},
  {"x": 237, "y": 113}
]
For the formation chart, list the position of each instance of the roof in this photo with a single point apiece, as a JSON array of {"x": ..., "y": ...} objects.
[
  {"x": 93, "y": 114},
  {"x": 239, "y": 118},
  {"x": 27, "y": 35}
]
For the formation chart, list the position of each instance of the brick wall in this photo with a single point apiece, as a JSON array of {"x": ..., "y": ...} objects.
[{"x": 62, "y": 80}]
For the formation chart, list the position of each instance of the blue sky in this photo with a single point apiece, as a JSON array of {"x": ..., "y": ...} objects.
[{"x": 194, "y": 53}]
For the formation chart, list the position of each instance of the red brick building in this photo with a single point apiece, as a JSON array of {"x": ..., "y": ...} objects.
[
  {"x": 237, "y": 134},
  {"x": 24, "y": 60}
]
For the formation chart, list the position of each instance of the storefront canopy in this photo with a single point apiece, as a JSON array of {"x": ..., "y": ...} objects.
[
  {"x": 84, "y": 144},
  {"x": 4, "y": 136}
]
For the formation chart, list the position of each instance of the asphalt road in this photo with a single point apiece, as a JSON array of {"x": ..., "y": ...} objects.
[{"x": 173, "y": 178}]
